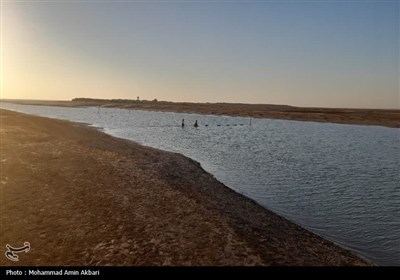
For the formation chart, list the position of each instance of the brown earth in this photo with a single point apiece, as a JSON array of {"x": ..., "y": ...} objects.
[
  {"x": 81, "y": 197},
  {"x": 389, "y": 118}
]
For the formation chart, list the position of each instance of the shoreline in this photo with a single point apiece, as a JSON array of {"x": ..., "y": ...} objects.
[
  {"x": 143, "y": 206},
  {"x": 379, "y": 117}
]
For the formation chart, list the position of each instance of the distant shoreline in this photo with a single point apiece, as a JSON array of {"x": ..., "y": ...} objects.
[
  {"x": 120, "y": 203},
  {"x": 380, "y": 117}
]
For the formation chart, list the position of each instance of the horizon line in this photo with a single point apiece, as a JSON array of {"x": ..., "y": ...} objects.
[{"x": 192, "y": 102}]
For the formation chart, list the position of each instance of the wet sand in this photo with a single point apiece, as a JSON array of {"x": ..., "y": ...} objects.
[
  {"x": 81, "y": 197},
  {"x": 389, "y": 118}
]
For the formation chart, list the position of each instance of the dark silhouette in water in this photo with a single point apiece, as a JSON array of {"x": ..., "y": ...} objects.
[
  {"x": 183, "y": 123},
  {"x": 195, "y": 124}
]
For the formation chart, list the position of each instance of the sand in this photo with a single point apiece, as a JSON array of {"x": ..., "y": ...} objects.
[
  {"x": 388, "y": 118},
  {"x": 81, "y": 197}
]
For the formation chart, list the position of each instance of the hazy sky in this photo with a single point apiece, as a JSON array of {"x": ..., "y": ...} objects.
[{"x": 305, "y": 53}]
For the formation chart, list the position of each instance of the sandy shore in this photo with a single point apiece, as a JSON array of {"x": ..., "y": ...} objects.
[
  {"x": 389, "y": 118},
  {"x": 81, "y": 197}
]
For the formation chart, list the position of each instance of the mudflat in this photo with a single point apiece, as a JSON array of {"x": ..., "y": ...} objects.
[
  {"x": 81, "y": 197},
  {"x": 389, "y": 118}
]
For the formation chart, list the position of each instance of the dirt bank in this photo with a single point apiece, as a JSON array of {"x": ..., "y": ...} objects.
[
  {"x": 81, "y": 197},
  {"x": 389, "y": 118}
]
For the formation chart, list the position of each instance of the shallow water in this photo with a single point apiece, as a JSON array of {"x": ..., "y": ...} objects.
[{"x": 339, "y": 181}]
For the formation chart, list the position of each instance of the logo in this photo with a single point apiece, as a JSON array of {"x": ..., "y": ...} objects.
[{"x": 12, "y": 252}]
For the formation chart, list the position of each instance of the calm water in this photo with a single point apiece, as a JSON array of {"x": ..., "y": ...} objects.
[{"x": 339, "y": 181}]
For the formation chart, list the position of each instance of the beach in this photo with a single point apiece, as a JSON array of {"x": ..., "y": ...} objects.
[
  {"x": 381, "y": 117},
  {"x": 82, "y": 197}
]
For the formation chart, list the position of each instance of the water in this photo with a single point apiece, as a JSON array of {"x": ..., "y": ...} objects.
[{"x": 339, "y": 181}]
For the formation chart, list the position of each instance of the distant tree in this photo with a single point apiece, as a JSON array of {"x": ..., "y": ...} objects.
[
  {"x": 155, "y": 100},
  {"x": 137, "y": 99}
]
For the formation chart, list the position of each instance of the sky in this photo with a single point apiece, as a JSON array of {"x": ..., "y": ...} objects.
[{"x": 302, "y": 53}]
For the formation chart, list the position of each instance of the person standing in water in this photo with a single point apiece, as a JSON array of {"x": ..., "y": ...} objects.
[
  {"x": 183, "y": 123},
  {"x": 195, "y": 124}
]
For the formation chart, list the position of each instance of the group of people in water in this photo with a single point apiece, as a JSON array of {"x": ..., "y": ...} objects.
[
  {"x": 197, "y": 125},
  {"x": 183, "y": 123}
]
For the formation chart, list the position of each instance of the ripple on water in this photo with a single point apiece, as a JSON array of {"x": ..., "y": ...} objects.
[{"x": 340, "y": 181}]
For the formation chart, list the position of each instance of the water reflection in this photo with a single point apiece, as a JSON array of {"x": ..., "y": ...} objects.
[{"x": 340, "y": 181}]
